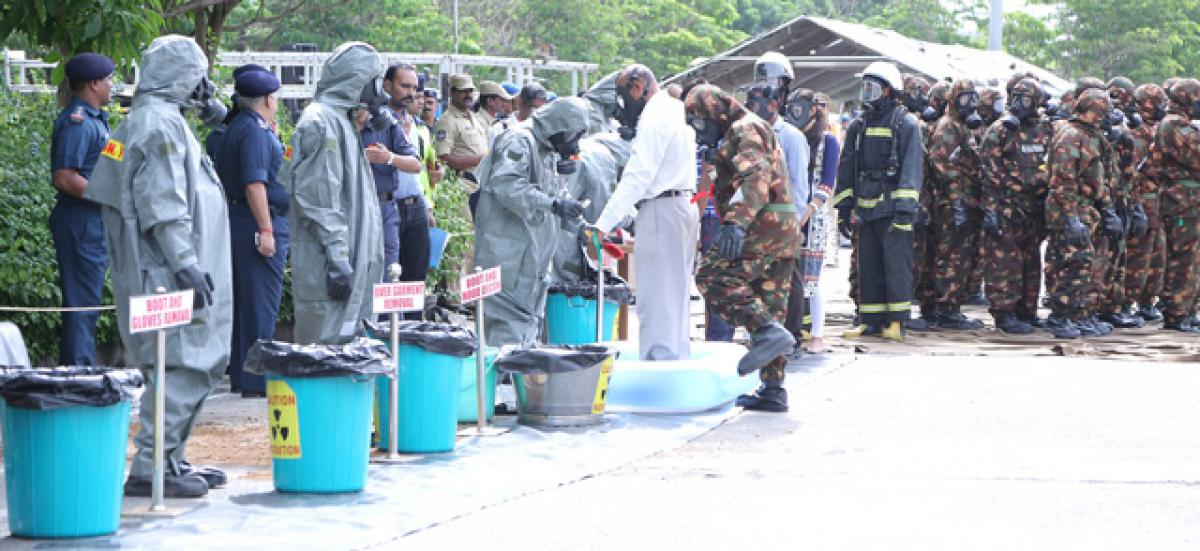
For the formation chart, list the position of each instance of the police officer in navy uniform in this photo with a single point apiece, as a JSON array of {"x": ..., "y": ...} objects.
[
  {"x": 212, "y": 144},
  {"x": 248, "y": 161},
  {"x": 80, "y": 136}
]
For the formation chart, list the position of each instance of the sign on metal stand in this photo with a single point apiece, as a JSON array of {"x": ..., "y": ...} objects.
[
  {"x": 159, "y": 312},
  {"x": 474, "y": 288},
  {"x": 394, "y": 298}
]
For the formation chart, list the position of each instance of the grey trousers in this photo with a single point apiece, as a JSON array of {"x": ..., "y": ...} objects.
[
  {"x": 186, "y": 390},
  {"x": 665, "y": 257}
]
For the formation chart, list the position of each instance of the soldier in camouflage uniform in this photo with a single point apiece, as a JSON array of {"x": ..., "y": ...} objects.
[
  {"x": 1104, "y": 242},
  {"x": 917, "y": 99},
  {"x": 1014, "y": 199},
  {"x": 991, "y": 108},
  {"x": 1177, "y": 148},
  {"x": 954, "y": 159},
  {"x": 1146, "y": 256},
  {"x": 747, "y": 272},
  {"x": 1075, "y": 199}
]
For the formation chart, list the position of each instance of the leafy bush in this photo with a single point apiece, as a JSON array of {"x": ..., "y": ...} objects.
[{"x": 449, "y": 200}]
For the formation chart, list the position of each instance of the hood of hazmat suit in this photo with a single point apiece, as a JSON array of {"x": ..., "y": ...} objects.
[
  {"x": 602, "y": 104},
  {"x": 514, "y": 223},
  {"x": 164, "y": 209},
  {"x": 601, "y": 159},
  {"x": 334, "y": 210}
]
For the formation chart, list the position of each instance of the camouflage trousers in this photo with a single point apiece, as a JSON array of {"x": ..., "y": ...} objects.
[
  {"x": 1014, "y": 269},
  {"x": 1180, "y": 279},
  {"x": 1114, "y": 284},
  {"x": 978, "y": 265},
  {"x": 954, "y": 252},
  {"x": 748, "y": 291},
  {"x": 924, "y": 292},
  {"x": 1103, "y": 271},
  {"x": 1145, "y": 262},
  {"x": 1071, "y": 267}
]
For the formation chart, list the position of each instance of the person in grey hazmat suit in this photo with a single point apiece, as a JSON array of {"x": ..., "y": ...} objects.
[
  {"x": 601, "y": 158},
  {"x": 602, "y": 100},
  {"x": 522, "y": 204},
  {"x": 166, "y": 226},
  {"x": 337, "y": 247}
]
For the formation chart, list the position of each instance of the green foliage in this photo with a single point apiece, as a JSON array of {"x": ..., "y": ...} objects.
[
  {"x": 1030, "y": 38},
  {"x": 118, "y": 28},
  {"x": 28, "y": 269},
  {"x": 449, "y": 207}
]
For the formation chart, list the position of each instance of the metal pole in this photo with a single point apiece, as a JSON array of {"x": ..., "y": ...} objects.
[
  {"x": 160, "y": 405},
  {"x": 455, "y": 27},
  {"x": 996, "y": 26},
  {"x": 599, "y": 290},
  {"x": 480, "y": 369},
  {"x": 394, "y": 384}
]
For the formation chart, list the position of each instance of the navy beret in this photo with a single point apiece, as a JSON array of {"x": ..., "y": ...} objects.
[
  {"x": 248, "y": 67},
  {"x": 254, "y": 84},
  {"x": 88, "y": 67}
]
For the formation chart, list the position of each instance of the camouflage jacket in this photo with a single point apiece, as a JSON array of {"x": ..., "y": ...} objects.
[
  {"x": 1077, "y": 175},
  {"x": 954, "y": 161},
  {"x": 752, "y": 189},
  {"x": 1178, "y": 143},
  {"x": 1121, "y": 163},
  {"x": 1014, "y": 170},
  {"x": 1146, "y": 176}
]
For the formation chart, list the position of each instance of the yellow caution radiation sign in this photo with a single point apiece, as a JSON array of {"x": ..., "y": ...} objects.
[
  {"x": 602, "y": 387},
  {"x": 283, "y": 420}
]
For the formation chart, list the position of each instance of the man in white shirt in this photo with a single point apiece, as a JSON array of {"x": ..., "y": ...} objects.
[{"x": 658, "y": 183}]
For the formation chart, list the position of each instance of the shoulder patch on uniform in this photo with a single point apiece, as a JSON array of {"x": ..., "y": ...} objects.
[
  {"x": 287, "y": 152},
  {"x": 331, "y": 143},
  {"x": 515, "y": 155},
  {"x": 114, "y": 150},
  {"x": 76, "y": 116},
  {"x": 441, "y": 135},
  {"x": 263, "y": 124},
  {"x": 166, "y": 148}
]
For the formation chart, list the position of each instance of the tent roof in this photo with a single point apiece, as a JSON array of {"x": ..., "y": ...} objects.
[{"x": 828, "y": 54}]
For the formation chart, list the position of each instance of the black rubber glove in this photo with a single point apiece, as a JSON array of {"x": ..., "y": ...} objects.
[
  {"x": 1075, "y": 232},
  {"x": 991, "y": 223},
  {"x": 846, "y": 223},
  {"x": 567, "y": 209},
  {"x": 1139, "y": 222},
  {"x": 960, "y": 214},
  {"x": 729, "y": 241},
  {"x": 338, "y": 275},
  {"x": 199, "y": 282},
  {"x": 1111, "y": 223}
]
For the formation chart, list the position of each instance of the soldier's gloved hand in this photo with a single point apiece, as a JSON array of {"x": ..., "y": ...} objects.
[
  {"x": 1075, "y": 232},
  {"x": 846, "y": 223},
  {"x": 1139, "y": 223},
  {"x": 567, "y": 209},
  {"x": 960, "y": 214},
  {"x": 1111, "y": 223},
  {"x": 922, "y": 220},
  {"x": 199, "y": 282},
  {"x": 729, "y": 241},
  {"x": 991, "y": 223},
  {"x": 338, "y": 275},
  {"x": 902, "y": 221}
]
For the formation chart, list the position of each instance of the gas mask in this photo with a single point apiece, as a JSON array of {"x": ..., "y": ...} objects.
[
  {"x": 1195, "y": 110},
  {"x": 375, "y": 101},
  {"x": 708, "y": 135},
  {"x": 628, "y": 112},
  {"x": 871, "y": 93},
  {"x": 799, "y": 113},
  {"x": 1157, "y": 113},
  {"x": 1111, "y": 124},
  {"x": 1022, "y": 107},
  {"x": 995, "y": 112},
  {"x": 929, "y": 114},
  {"x": 567, "y": 147},
  {"x": 1052, "y": 109},
  {"x": 758, "y": 101},
  {"x": 208, "y": 108},
  {"x": 967, "y": 104},
  {"x": 916, "y": 103}
]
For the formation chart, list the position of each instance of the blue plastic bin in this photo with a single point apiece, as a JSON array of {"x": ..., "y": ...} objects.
[
  {"x": 429, "y": 385},
  {"x": 572, "y": 320},
  {"x": 328, "y": 422},
  {"x": 468, "y": 408},
  {"x": 64, "y": 469}
]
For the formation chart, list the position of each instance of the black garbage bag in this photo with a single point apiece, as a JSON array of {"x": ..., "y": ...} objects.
[
  {"x": 60, "y": 387},
  {"x": 362, "y": 356},
  {"x": 439, "y": 338},
  {"x": 616, "y": 290},
  {"x": 532, "y": 359}
]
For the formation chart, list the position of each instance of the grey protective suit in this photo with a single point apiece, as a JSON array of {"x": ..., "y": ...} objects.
[
  {"x": 602, "y": 104},
  {"x": 601, "y": 158},
  {"x": 514, "y": 226},
  {"x": 164, "y": 210},
  {"x": 334, "y": 211}
]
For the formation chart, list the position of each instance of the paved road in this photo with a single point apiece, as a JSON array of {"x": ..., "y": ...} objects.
[{"x": 899, "y": 453}]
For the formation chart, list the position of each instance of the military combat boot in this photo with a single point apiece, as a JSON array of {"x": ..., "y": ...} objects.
[
  {"x": 767, "y": 343},
  {"x": 1061, "y": 327},
  {"x": 770, "y": 396},
  {"x": 1122, "y": 321},
  {"x": 1149, "y": 312},
  {"x": 1008, "y": 322},
  {"x": 860, "y": 331},
  {"x": 1087, "y": 328},
  {"x": 927, "y": 321},
  {"x": 950, "y": 317},
  {"x": 1182, "y": 326},
  {"x": 1102, "y": 326},
  {"x": 174, "y": 486},
  {"x": 893, "y": 332}
]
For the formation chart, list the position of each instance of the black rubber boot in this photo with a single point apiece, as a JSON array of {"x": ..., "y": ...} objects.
[
  {"x": 1149, "y": 312},
  {"x": 1122, "y": 321},
  {"x": 1102, "y": 326},
  {"x": 1008, "y": 322},
  {"x": 1181, "y": 326},
  {"x": 214, "y": 477},
  {"x": 949, "y": 317},
  {"x": 919, "y": 325},
  {"x": 767, "y": 343},
  {"x": 1087, "y": 328},
  {"x": 770, "y": 396},
  {"x": 176, "y": 486},
  {"x": 1062, "y": 328}
]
